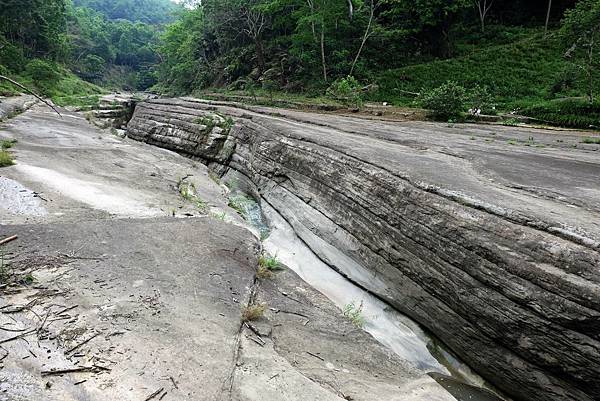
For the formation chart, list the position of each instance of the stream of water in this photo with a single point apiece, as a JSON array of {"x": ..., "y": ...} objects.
[{"x": 388, "y": 326}]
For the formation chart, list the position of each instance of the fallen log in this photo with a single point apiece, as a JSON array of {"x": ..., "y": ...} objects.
[{"x": 31, "y": 92}]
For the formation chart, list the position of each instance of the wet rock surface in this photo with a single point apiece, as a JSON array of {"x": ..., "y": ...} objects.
[
  {"x": 105, "y": 295},
  {"x": 488, "y": 236}
]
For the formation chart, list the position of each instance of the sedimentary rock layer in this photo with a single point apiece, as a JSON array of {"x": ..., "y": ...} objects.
[{"x": 492, "y": 246}]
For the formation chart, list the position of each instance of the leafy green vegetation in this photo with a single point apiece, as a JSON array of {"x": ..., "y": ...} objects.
[
  {"x": 269, "y": 262},
  {"x": 515, "y": 73},
  {"x": 336, "y": 52},
  {"x": 396, "y": 51},
  {"x": 146, "y": 11},
  {"x": 188, "y": 191},
  {"x": 7, "y": 143},
  {"x": 446, "y": 101},
  {"x": 354, "y": 314},
  {"x": 6, "y": 159},
  {"x": 594, "y": 140},
  {"x": 575, "y": 113},
  {"x": 346, "y": 90}
]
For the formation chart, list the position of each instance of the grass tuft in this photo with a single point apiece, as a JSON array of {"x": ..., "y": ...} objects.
[
  {"x": 253, "y": 312},
  {"x": 269, "y": 262},
  {"x": 263, "y": 273},
  {"x": 6, "y": 159},
  {"x": 354, "y": 314}
]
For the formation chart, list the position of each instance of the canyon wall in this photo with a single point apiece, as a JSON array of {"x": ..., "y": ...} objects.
[{"x": 493, "y": 249}]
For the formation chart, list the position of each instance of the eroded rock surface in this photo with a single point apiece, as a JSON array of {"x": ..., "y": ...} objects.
[
  {"x": 121, "y": 288},
  {"x": 488, "y": 236}
]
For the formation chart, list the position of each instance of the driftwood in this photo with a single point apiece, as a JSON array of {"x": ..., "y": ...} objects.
[
  {"x": 69, "y": 370},
  {"x": 9, "y": 239},
  {"x": 154, "y": 394},
  {"x": 31, "y": 92}
]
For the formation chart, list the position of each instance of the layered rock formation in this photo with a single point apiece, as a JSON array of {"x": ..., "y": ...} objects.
[{"x": 487, "y": 236}]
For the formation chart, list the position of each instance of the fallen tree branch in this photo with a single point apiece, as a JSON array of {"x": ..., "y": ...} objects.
[
  {"x": 82, "y": 343},
  {"x": 31, "y": 92},
  {"x": 69, "y": 370},
  {"x": 154, "y": 394},
  {"x": 9, "y": 239},
  {"x": 6, "y": 340}
]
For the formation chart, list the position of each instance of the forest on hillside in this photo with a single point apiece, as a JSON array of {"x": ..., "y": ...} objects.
[{"x": 537, "y": 57}]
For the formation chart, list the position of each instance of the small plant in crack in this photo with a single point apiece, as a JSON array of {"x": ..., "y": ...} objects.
[
  {"x": 263, "y": 273},
  {"x": 220, "y": 216},
  {"x": 253, "y": 312},
  {"x": 269, "y": 262},
  {"x": 354, "y": 313},
  {"x": 239, "y": 203},
  {"x": 188, "y": 191}
]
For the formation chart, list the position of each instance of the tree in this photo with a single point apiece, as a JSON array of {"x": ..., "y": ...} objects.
[
  {"x": 367, "y": 34},
  {"x": 429, "y": 21},
  {"x": 254, "y": 26},
  {"x": 547, "y": 17},
  {"x": 483, "y": 7},
  {"x": 38, "y": 25},
  {"x": 580, "y": 32}
]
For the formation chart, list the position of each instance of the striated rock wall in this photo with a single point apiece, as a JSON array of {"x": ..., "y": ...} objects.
[{"x": 495, "y": 251}]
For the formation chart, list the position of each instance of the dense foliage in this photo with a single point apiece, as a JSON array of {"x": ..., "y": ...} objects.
[
  {"x": 146, "y": 11},
  {"x": 307, "y": 44},
  {"x": 508, "y": 55},
  {"x": 107, "y": 42}
]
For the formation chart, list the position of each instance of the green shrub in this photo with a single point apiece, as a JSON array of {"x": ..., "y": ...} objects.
[
  {"x": 347, "y": 90},
  {"x": 573, "y": 113},
  {"x": 11, "y": 56},
  {"x": 354, "y": 314},
  {"x": 446, "y": 101},
  {"x": 42, "y": 71},
  {"x": 269, "y": 262},
  {"x": 593, "y": 140},
  {"x": 481, "y": 101},
  {"x": 7, "y": 143},
  {"x": 6, "y": 159},
  {"x": 514, "y": 71},
  {"x": 92, "y": 67}
]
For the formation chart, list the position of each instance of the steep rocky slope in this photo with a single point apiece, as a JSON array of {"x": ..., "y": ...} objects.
[{"x": 488, "y": 236}]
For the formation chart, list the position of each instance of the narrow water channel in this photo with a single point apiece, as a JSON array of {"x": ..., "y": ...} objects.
[{"x": 394, "y": 330}]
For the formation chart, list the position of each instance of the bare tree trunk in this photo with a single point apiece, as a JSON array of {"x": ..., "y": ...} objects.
[
  {"x": 323, "y": 61},
  {"x": 365, "y": 37},
  {"x": 350, "y": 9},
  {"x": 591, "y": 70},
  {"x": 483, "y": 7},
  {"x": 260, "y": 55},
  {"x": 547, "y": 17},
  {"x": 2, "y": 77},
  {"x": 311, "y": 5}
]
